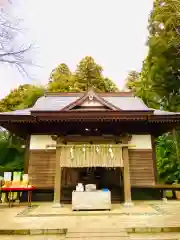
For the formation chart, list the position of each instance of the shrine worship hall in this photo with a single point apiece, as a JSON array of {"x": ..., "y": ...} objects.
[{"x": 90, "y": 149}]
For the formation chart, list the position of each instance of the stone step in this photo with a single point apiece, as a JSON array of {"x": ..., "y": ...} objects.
[
  {"x": 99, "y": 238},
  {"x": 96, "y": 233},
  {"x": 155, "y": 236},
  {"x": 95, "y": 230}
]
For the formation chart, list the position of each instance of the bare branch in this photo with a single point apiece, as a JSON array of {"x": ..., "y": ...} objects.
[{"x": 10, "y": 51}]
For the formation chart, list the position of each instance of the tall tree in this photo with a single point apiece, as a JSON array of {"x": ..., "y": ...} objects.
[
  {"x": 140, "y": 85},
  {"x": 159, "y": 82},
  {"x": 163, "y": 59},
  {"x": 88, "y": 74},
  {"x": 131, "y": 80},
  {"x": 61, "y": 79}
]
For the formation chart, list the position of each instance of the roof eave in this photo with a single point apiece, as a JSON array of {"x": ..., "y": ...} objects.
[
  {"x": 13, "y": 117},
  {"x": 165, "y": 118}
]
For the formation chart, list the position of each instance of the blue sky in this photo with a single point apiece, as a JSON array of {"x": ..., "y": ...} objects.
[{"x": 114, "y": 32}]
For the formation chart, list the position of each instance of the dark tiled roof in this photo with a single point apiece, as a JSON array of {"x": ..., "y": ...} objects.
[{"x": 55, "y": 102}]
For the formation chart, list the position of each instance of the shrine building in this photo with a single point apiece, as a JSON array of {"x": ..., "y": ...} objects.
[{"x": 107, "y": 139}]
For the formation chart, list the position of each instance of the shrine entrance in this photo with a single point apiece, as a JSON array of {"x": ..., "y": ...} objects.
[
  {"x": 102, "y": 177},
  {"x": 111, "y": 178},
  {"x": 95, "y": 154}
]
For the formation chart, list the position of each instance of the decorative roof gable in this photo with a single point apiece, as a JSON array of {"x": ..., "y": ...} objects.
[{"x": 91, "y": 101}]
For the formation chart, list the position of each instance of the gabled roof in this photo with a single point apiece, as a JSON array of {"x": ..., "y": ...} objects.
[
  {"x": 88, "y": 98},
  {"x": 56, "y": 102},
  {"x": 122, "y": 102}
]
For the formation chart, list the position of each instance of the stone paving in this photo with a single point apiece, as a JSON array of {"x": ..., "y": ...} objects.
[
  {"x": 154, "y": 236},
  {"x": 166, "y": 236},
  {"x": 33, "y": 237},
  {"x": 46, "y": 209},
  {"x": 162, "y": 215}
]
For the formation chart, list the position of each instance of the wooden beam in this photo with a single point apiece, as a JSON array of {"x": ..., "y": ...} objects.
[
  {"x": 127, "y": 182},
  {"x": 86, "y": 144},
  {"x": 57, "y": 181},
  {"x": 26, "y": 157},
  {"x": 153, "y": 141}
]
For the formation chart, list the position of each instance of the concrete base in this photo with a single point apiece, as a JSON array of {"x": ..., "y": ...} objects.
[
  {"x": 56, "y": 205},
  {"x": 128, "y": 204}
]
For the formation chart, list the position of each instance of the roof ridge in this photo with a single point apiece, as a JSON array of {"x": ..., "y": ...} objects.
[{"x": 79, "y": 94}]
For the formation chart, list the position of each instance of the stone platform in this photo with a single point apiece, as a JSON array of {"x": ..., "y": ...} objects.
[{"x": 152, "y": 217}]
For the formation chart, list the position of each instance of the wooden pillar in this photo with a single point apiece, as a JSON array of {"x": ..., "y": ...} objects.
[
  {"x": 57, "y": 182},
  {"x": 127, "y": 183},
  {"x": 26, "y": 157},
  {"x": 153, "y": 142}
]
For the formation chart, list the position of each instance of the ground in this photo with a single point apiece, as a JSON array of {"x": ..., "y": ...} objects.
[{"x": 149, "y": 217}]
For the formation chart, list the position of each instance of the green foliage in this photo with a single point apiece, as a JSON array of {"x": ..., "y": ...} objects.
[
  {"x": 163, "y": 59},
  {"x": 23, "y": 97},
  {"x": 158, "y": 84},
  {"x": 61, "y": 79},
  {"x": 163, "y": 62},
  {"x": 88, "y": 74},
  {"x": 167, "y": 162},
  {"x": 159, "y": 81},
  {"x": 132, "y": 80},
  {"x": 11, "y": 153}
]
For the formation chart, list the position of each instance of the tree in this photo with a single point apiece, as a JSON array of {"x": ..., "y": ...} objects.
[
  {"x": 159, "y": 82},
  {"x": 11, "y": 52},
  {"x": 11, "y": 151},
  {"x": 131, "y": 80},
  {"x": 140, "y": 85},
  {"x": 163, "y": 59},
  {"x": 167, "y": 164},
  {"x": 23, "y": 97},
  {"x": 61, "y": 79},
  {"x": 88, "y": 74}
]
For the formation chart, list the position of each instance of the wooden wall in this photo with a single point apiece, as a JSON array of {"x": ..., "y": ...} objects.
[
  {"x": 141, "y": 167},
  {"x": 42, "y": 168}
]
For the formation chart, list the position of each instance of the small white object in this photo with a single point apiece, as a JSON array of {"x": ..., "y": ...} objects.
[
  {"x": 80, "y": 187},
  {"x": 84, "y": 148},
  {"x": 7, "y": 176},
  {"x": 97, "y": 148},
  {"x": 71, "y": 153},
  {"x": 91, "y": 97},
  {"x": 90, "y": 187}
]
